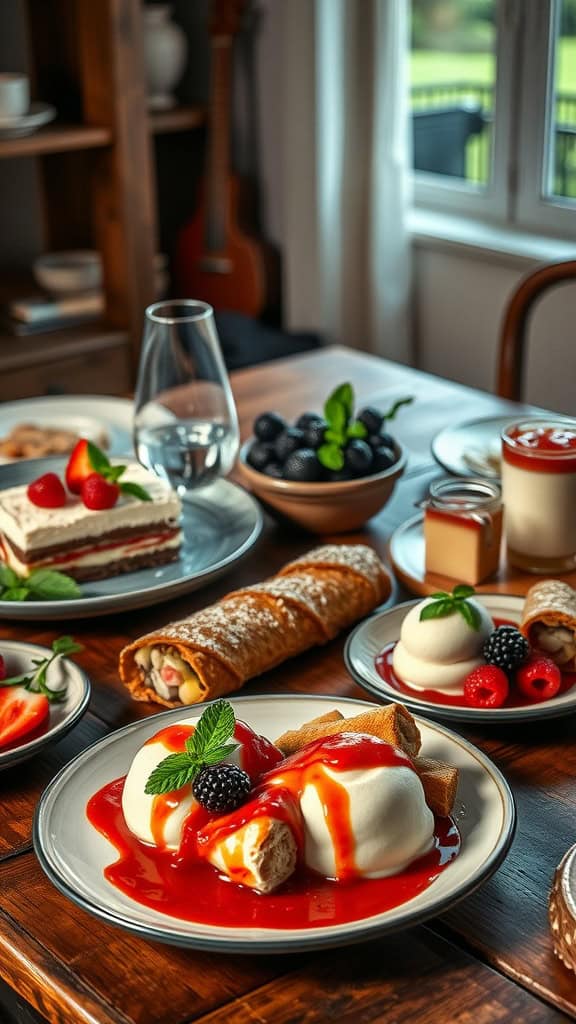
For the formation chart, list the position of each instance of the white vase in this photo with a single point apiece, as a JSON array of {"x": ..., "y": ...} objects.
[{"x": 165, "y": 49}]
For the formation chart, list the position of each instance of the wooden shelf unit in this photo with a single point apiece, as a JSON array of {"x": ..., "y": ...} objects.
[
  {"x": 179, "y": 119},
  {"x": 56, "y": 138}
]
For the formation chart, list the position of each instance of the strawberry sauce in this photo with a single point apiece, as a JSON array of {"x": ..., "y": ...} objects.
[
  {"x": 191, "y": 890},
  {"x": 541, "y": 448}
]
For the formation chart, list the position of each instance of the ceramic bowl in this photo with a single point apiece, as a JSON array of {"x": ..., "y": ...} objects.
[
  {"x": 64, "y": 273},
  {"x": 324, "y": 507}
]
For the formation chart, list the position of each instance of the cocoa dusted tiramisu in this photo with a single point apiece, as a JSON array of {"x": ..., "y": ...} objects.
[{"x": 89, "y": 543}]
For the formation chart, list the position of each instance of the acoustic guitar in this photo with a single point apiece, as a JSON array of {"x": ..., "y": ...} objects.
[{"x": 217, "y": 258}]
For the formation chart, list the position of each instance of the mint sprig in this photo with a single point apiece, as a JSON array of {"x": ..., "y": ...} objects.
[
  {"x": 101, "y": 464},
  {"x": 36, "y": 681},
  {"x": 343, "y": 427},
  {"x": 40, "y": 585},
  {"x": 206, "y": 746},
  {"x": 444, "y": 604}
]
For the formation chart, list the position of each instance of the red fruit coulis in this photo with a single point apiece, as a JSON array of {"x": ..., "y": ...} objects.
[
  {"x": 385, "y": 670},
  {"x": 543, "y": 449},
  {"x": 186, "y": 887}
]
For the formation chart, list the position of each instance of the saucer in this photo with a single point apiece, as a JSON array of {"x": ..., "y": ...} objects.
[{"x": 38, "y": 115}]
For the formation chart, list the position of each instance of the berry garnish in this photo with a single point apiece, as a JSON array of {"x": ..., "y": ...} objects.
[
  {"x": 221, "y": 787},
  {"x": 268, "y": 426},
  {"x": 308, "y": 419},
  {"x": 79, "y": 466},
  {"x": 315, "y": 433},
  {"x": 486, "y": 687},
  {"x": 506, "y": 648},
  {"x": 259, "y": 454},
  {"x": 371, "y": 418},
  {"x": 207, "y": 746},
  {"x": 383, "y": 458},
  {"x": 47, "y": 491},
  {"x": 86, "y": 460},
  {"x": 97, "y": 493},
  {"x": 287, "y": 442},
  {"x": 302, "y": 465},
  {"x": 539, "y": 679},
  {"x": 358, "y": 457}
]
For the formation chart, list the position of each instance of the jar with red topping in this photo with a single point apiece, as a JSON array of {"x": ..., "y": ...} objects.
[
  {"x": 462, "y": 529},
  {"x": 539, "y": 494}
]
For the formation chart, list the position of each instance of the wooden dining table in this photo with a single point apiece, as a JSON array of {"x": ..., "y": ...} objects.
[{"x": 488, "y": 958}]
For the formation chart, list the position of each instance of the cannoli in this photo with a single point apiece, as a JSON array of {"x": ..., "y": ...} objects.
[
  {"x": 390, "y": 722},
  {"x": 216, "y": 650},
  {"x": 549, "y": 621}
]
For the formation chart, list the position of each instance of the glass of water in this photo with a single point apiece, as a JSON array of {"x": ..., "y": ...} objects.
[{"x": 185, "y": 422}]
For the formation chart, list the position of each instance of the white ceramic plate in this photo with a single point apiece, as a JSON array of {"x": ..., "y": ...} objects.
[
  {"x": 220, "y": 524},
  {"x": 473, "y": 448},
  {"x": 19, "y": 658},
  {"x": 74, "y": 855},
  {"x": 38, "y": 115},
  {"x": 91, "y": 416},
  {"x": 369, "y": 638}
]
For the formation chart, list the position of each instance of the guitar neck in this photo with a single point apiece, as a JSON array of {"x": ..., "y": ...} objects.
[{"x": 218, "y": 161}]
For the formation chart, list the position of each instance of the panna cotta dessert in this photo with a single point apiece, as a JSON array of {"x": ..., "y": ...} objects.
[
  {"x": 539, "y": 494},
  {"x": 439, "y": 652},
  {"x": 463, "y": 529}
]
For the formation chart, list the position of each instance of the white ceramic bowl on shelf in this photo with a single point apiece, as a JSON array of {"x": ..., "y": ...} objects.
[{"x": 67, "y": 272}]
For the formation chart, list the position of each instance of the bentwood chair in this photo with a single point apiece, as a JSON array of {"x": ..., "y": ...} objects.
[{"x": 514, "y": 331}]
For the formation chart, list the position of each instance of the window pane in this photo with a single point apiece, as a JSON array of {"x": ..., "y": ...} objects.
[
  {"x": 562, "y": 134},
  {"x": 453, "y": 77}
]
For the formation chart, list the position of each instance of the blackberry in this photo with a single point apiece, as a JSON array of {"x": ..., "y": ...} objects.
[
  {"x": 371, "y": 418},
  {"x": 506, "y": 648},
  {"x": 259, "y": 455},
  {"x": 287, "y": 442},
  {"x": 221, "y": 787},
  {"x": 268, "y": 425},
  {"x": 274, "y": 469},
  {"x": 306, "y": 420},
  {"x": 303, "y": 465},
  {"x": 314, "y": 433},
  {"x": 383, "y": 458},
  {"x": 358, "y": 458}
]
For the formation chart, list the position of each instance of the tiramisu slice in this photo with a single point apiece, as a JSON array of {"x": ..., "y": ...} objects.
[{"x": 89, "y": 544}]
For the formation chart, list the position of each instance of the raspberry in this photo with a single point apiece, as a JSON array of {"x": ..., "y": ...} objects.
[
  {"x": 506, "y": 648},
  {"x": 539, "y": 679},
  {"x": 98, "y": 494},
  {"x": 486, "y": 687},
  {"x": 221, "y": 787},
  {"x": 47, "y": 491}
]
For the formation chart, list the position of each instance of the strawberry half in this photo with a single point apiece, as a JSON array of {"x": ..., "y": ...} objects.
[
  {"x": 79, "y": 466},
  {"x": 47, "y": 491},
  {"x": 97, "y": 493},
  {"x": 486, "y": 687},
  {"x": 21, "y": 712}
]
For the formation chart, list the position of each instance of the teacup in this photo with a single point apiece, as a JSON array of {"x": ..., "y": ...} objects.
[{"x": 14, "y": 94}]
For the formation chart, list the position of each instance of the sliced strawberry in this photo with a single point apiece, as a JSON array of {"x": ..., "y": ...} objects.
[
  {"x": 539, "y": 679},
  {"x": 79, "y": 467},
  {"x": 20, "y": 713},
  {"x": 97, "y": 493},
  {"x": 486, "y": 687},
  {"x": 47, "y": 491}
]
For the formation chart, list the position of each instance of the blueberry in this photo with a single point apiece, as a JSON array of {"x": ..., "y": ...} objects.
[
  {"x": 268, "y": 425},
  {"x": 314, "y": 433},
  {"x": 387, "y": 440},
  {"x": 371, "y": 418},
  {"x": 383, "y": 458},
  {"x": 302, "y": 465},
  {"x": 274, "y": 469},
  {"x": 306, "y": 420},
  {"x": 287, "y": 442},
  {"x": 358, "y": 458},
  {"x": 337, "y": 475},
  {"x": 259, "y": 455}
]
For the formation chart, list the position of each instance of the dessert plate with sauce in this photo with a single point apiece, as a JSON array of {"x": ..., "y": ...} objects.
[
  {"x": 368, "y": 659},
  {"x": 64, "y": 715},
  {"x": 220, "y": 523},
  {"x": 74, "y": 855}
]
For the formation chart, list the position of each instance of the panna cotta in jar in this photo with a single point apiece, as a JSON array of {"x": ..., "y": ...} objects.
[{"x": 539, "y": 494}]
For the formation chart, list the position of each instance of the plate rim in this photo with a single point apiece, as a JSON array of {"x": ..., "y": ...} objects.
[
  {"x": 524, "y": 713},
  {"x": 450, "y": 467},
  {"x": 105, "y": 604},
  {"x": 24, "y": 751},
  {"x": 318, "y": 939}
]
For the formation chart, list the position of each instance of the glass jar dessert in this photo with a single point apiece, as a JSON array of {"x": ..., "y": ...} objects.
[
  {"x": 463, "y": 529},
  {"x": 539, "y": 493}
]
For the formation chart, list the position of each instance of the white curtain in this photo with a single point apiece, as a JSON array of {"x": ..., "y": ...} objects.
[{"x": 346, "y": 172}]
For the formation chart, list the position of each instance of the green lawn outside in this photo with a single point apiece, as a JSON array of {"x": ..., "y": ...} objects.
[{"x": 428, "y": 67}]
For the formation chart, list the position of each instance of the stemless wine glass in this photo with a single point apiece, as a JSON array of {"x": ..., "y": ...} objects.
[{"x": 185, "y": 422}]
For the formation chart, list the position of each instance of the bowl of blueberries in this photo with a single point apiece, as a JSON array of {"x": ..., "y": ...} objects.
[{"x": 328, "y": 473}]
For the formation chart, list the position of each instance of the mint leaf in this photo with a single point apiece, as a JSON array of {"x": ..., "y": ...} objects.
[
  {"x": 470, "y": 614},
  {"x": 437, "y": 609},
  {"x": 49, "y": 585},
  {"x": 98, "y": 460},
  {"x": 335, "y": 414},
  {"x": 440, "y": 594},
  {"x": 15, "y": 594},
  {"x": 66, "y": 645},
  {"x": 330, "y": 456},
  {"x": 335, "y": 436},
  {"x": 357, "y": 429},
  {"x": 344, "y": 394},
  {"x": 213, "y": 755},
  {"x": 394, "y": 408},
  {"x": 113, "y": 473},
  {"x": 8, "y": 577},
  {"x": 463, "y": 590},
  {"x": 216, "y": 725},
  {"x": 36, "y": 681},
  {"x": 172, "y": 773},
  {"x": 135, "y": 490}
]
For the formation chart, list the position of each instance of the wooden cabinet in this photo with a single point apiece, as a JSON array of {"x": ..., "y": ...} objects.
[{"x": 97, "y": 181}]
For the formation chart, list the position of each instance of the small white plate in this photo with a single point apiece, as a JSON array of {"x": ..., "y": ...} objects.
[
  {"x": 74, "y": 855},
  {"x": 38, "y": 115},
  {"x": 473, "y": 448},
  {"x": 90, "y": 416},
  {"x": 64, "y": 715},
  {"x": 367, "y": 641}
]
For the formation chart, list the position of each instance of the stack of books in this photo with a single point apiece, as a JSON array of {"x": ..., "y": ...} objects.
[{"x": 38, "y": 314}]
